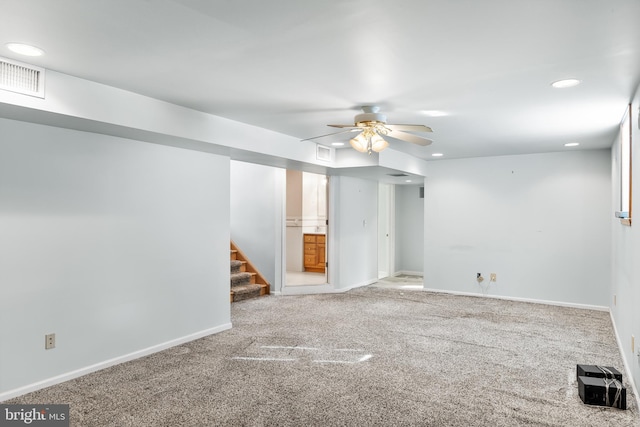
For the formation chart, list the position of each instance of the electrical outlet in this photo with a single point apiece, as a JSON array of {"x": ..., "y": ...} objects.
[
  {"x": 49, "y": 341},
  {"x": 615, "y": 299},
  {"x": 479, "y": 277},
  {"x": 493, "y": 277}
]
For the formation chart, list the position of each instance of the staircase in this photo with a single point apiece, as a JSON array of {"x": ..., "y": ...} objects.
[{"x": 246, "y": 280}]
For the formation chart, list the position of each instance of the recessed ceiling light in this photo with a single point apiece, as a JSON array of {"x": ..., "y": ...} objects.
[
  {"x": 407, "y": 180},
  {"x": 25, "y": 49},
  {"x": 560, "y": 84},
  {"x": 571, "y": 144},
  {"x": 435, "y": 113},
  {"x": 437, "y": 155},
  {"x": 337, "y": 144}
]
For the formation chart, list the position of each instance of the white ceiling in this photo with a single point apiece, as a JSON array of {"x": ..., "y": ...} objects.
[{"x": 294, "y": 66}]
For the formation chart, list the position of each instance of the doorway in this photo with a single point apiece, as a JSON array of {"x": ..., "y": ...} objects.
[{"x": 306, "y": 228}]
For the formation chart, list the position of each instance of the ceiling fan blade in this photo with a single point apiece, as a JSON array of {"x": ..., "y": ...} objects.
[
  {"x": 414, "y": 139},
  {"x": 343, "y": 126},
  {"x": 329, "y": 134},
  {"x": 411, "y": 128}
]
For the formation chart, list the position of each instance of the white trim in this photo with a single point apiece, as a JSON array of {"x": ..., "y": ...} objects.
[
  {"x": 409, "y": 273},
  {"x": 322, "y": 289},
  {"x": 531, "y": 300},
  {"x": 307, "y": 289},
  {"x": 358, "y": 285},
  {"x": 111, "y": 362},
  {"x": 332, "y": 247},
  {"x": 392, "y": 231},
  {"x": 280, "y": 264},
  {"x": 627, "y": 370}
]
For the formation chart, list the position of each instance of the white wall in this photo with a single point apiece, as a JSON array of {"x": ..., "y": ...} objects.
[
  {"x": 625, "y": 279},
  {"x": 541, "y": 222},
  {"x": 80, "y": 104},
  {"x": 114, "y": 245},
  {"x": 409, "y": 227},
  {"x": 256, "y": 215},
  {"x": 353, "y": 232}
]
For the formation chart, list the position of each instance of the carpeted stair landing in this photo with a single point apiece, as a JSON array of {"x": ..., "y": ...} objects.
[
  {"x": 246, "y": 280},
  {"x": 241, "y": 282}
]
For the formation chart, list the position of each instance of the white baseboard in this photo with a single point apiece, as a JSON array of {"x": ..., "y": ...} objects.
[
  {"x": 409, "y": 273},
  {"x": 322, "y": 289},
  {"x": 627, "y": 369},
  {"x": 307, "y": 289},
  {"x": 111, "y": 362},
  {"x": 358, "y": 285},
  {"x": 531, "y": 300}
]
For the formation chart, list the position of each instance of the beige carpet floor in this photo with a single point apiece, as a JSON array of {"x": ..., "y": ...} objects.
[{"x": 374, "y": 356}]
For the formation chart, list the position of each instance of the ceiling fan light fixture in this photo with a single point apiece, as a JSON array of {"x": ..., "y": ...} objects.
[
  {"x": 372, "y": 129},
  {"x": 370, "y": 114},
  {"x": 378, "y": 143},
  {"x": 359, "y": 143}
]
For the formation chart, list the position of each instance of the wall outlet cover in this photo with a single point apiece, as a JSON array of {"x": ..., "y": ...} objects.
[{"x": 49, "y": 341}]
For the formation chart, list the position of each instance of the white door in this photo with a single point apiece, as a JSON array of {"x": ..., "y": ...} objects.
[{"x": 384, "y": 230}]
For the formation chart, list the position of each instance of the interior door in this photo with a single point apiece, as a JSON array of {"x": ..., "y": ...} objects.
[{"x": 384, "y": 230}]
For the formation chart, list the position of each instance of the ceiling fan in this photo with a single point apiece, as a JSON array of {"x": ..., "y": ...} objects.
[{"x": 372, "y": 127}]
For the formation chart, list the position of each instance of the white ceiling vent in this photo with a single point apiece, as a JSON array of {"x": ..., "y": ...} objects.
[{"x": 21, "y": 78}]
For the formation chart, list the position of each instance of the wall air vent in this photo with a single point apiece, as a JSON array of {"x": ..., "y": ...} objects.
[
  {"x": 397, "y": 175},
  {"x": 323, "y": 153},
  {"x": 21, "y": 78}
]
